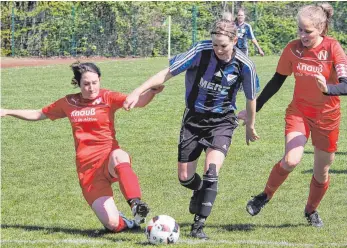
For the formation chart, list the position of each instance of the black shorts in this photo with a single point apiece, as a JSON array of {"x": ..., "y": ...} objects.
[{"x": 201, "y": 131}]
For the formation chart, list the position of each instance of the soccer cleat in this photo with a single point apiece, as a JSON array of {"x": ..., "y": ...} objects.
[
  {"x": 256, "y": 204},
  {"x": 193, "y": 204},
  {"x": 131, "y": 224},
  {"x": 314, "y": 219},
  {"x": 197, "y": 230},
  {"x": 140, "y": 211}
]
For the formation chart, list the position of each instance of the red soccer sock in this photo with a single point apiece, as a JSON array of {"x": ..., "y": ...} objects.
[
  {"x": 277, "y": 176},
  {"x": 128, "y": 182},
  {"x": 317, "y": 192},
  {"x": 121, "y": 225}
]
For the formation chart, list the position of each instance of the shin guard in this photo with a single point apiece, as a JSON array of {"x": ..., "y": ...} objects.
[
  {"x": 208, "y": 192},
  {"x": 128, "y": 182}
]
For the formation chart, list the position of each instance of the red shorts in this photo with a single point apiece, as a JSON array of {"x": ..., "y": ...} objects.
[
  {"x": 324, "y": 128},
  {"x": 96, "y": 181}
]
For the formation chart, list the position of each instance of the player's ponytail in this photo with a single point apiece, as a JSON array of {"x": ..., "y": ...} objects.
[
  {"x": 319, "y": 14},
  {"x": 329, "y": 12},
  {"x": 225, "y": 26}
]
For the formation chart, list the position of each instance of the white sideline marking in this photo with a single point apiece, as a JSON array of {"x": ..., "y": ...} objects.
[
  {"x": 188, "y": 241},
  {"x": 47, "y": 241},
  {"x": 259, "y": 242}
]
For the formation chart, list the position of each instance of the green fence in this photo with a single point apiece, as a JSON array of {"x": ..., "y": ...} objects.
[{"x": 117, "y": 29}]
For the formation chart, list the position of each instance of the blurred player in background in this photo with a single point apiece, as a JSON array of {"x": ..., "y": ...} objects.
[
  {"x": 245, "y": 32},
  {"x": 215, "y": 70},
  {"x": 99, "y": 159},
  {"x": 313, "y": 58}
]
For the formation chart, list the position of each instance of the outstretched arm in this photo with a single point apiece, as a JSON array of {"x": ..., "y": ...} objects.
[
  {"x": 152, "y": 83},
  {"x": 270, "y": 89},
  {"x": 24, "y": 114},
  {"x": 148, "y": 95}
]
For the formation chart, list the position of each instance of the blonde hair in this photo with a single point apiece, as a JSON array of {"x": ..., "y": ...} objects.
[
  {"x": 319, "y": 14},
  {"x": 225, "y": 26}
]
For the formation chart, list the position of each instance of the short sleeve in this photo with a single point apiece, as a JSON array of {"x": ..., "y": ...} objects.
[
  {"x": 116, "y": 99},
  {"x": 340, "y": 60},
  {"x": 250, "y": 80},
  {"x": 284, "y": 66},
  {"x": 189, "y": 59},
  {"x": 55, "y": 110},
  {"x": 250, "y": 34}
]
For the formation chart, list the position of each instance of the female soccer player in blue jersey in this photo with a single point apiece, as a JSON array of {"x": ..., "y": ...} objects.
[
  {"x": 245, "y": 32},
  {"x": 215, "y": 70}
]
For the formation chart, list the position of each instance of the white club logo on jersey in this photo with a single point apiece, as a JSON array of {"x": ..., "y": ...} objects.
[
  {"x": 87, "y": 112},
  {"x": 97, "y": 101},
  {"x": 323, "y": 55},
  {"x": 231, "y": 77}
]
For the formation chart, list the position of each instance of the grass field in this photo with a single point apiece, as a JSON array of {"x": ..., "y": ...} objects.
[{"x": 42, "y": 204}]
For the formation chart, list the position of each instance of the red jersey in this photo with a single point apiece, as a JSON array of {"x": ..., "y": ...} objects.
[
  {"x": 92, "y": 124},
  {"x": 328, "y": 59}
]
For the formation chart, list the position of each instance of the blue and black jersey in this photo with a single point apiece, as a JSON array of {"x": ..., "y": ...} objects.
[
  {"x": 211, "y": 85},
  {"x": 244, "y": 32}
]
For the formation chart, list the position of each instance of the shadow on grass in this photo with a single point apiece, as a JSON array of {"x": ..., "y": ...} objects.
[
  {"x": 310, "y": 171},
  {"x": 246, "y": 227},
  {"x": 92, "y": 233}
]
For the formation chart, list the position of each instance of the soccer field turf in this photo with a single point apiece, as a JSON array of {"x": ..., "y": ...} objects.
[{"x": 42, "y": 204}]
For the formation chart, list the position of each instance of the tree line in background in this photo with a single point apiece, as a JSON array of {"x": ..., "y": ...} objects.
[{"x": 117, "y": 29}]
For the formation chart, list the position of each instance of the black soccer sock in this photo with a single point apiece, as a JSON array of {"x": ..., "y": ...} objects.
[
  {"x": 208, "y": 192},
  {"x": 193, "y": 183},
  {"x": 133, "y": 201},
  {"x": 200, "y": 218}
]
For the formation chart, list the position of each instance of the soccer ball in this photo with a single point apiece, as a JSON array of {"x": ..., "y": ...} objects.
[{"x": 162, "y": 229}]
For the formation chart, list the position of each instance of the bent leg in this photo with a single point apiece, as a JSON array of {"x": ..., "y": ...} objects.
[
  {"x": 105, "y": 209},
  {"x": 119, "y": 166},
  {"x": 294, "y": 149}
]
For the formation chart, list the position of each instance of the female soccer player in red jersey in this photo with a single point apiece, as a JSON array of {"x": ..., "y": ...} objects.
[
  {"x": 99, "y": 159},
  {"x": 311, "y": 58}
]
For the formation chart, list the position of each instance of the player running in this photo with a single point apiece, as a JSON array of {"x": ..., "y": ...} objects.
[
  {"x": 312, "y": 58},
  {"x": 99, "y": 159},
  {"x": 215, "y": 70}
]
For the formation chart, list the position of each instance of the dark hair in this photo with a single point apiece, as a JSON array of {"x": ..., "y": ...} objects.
[
  {"x": 80, "y": 68},
  {"x": 319, "y": 14},
  {"x": 225, "y": 26}
]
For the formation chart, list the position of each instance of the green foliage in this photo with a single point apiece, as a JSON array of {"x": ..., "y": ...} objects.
[{"x": 130, "y": 28}]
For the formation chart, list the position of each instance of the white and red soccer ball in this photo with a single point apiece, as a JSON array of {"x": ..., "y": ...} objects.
[{"x": 162, "y": 229}]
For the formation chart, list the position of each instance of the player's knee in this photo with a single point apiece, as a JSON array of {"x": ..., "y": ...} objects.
[
  {"x": 111, "y": 224},
  {"x": 291, "y": 161},
  {"x": 119, "y": 156},
  {"x": 193, "y": 183}
]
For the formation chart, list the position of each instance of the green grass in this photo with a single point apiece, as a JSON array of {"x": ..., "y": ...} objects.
[{"x": 42, "y": 204}]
